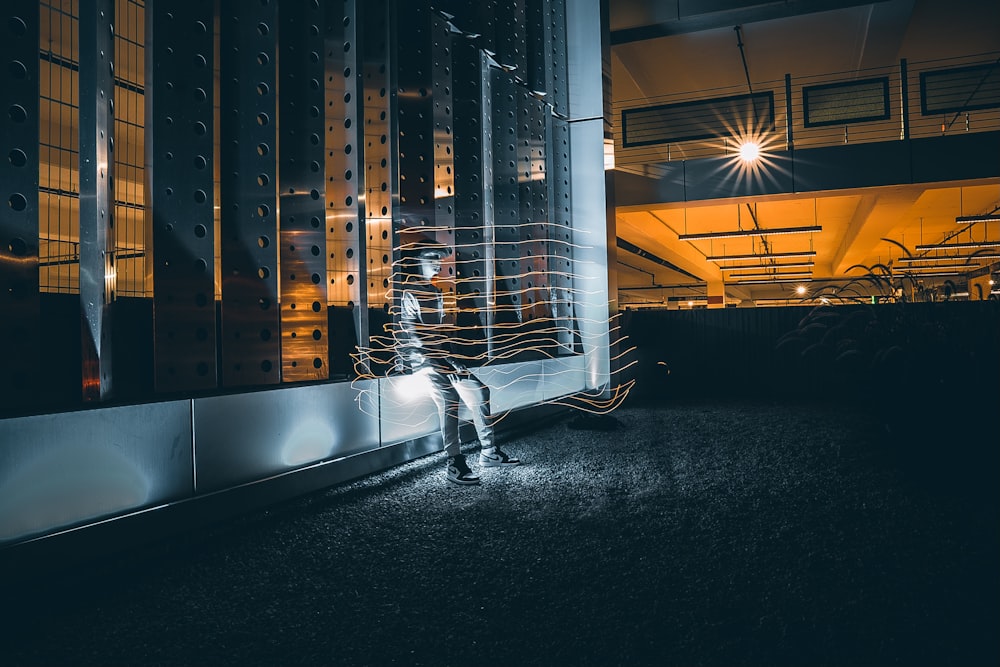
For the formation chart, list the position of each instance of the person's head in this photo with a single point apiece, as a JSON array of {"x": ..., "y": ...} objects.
[
  {"x": 424, "y": 257},
  {"x": 429, "y": 262}
]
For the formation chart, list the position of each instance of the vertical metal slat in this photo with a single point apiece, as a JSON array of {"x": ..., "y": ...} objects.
[
  {"x": 248, "y": 149},
  {"x": 180, "y": 138},
  {"x": 97, "y": 254}
]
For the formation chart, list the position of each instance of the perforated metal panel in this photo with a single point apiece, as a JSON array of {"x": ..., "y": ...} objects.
[
  {"x": 248, "y": 150},
  {"x": 507, "y": 214},
  {"x": 380, "y": 184},
  {"x": 345, "y": 208},
  {"x": 19, "y": 178},
  {"x": 473, "y": 199},
  {"x": 182, "y": 194},
  {"x": 302, "y": 257}
]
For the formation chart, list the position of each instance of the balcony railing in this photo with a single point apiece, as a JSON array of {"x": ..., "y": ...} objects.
[{"x": 908, "y": 100}]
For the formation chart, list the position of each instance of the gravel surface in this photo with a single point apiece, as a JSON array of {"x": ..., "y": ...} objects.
[{"x": 693, "y": 534}]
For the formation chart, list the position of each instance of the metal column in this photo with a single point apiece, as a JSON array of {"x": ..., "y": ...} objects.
[
  {"x": 381, "y": 182},
  {"x": 181, "y": 193},
  {"x": 19, "y": 299},
  {"x": 248, "y": 149},
  {"x": 302, "y": 202},
  {"x": 345, "y": 207},
  {"x": 97, "y": 252}
]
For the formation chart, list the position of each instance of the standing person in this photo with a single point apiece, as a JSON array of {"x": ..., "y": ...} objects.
[{"x": 424, "y": 347}]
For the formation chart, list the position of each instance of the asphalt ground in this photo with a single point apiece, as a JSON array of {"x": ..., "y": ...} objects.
[{"x": 702, "y": 533}]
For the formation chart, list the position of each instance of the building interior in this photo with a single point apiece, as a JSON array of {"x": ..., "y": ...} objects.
[{"x": 200, "y": 301}]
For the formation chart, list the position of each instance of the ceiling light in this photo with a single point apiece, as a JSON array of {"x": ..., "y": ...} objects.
[
  {"x": 938, "y": 258},
  {"x": 766, "y": 255},
  {"x": 757, "y": 267},
  {"x": 932, "y": 267},
  {"x": 969, "y": 244},
  {"x": 749, "y": 232},
  {"x": 970, "y": 219},
  {"x": 749, "y": 152},
  {"x": 772, "y": 281},
  {"x": 800, "y": 274},
  {"x": 939, "y": 274}
]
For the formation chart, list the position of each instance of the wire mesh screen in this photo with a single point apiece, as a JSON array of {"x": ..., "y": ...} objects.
[
  {"x": 59, "y": 172},
  {"x": 59, "y": 177},
  {"x": 130, "y": 110}
]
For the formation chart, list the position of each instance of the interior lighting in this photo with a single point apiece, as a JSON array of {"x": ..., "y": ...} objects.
[
  {"x": 749, "y": 152},
  {"x": 932, "y": 267},
  {"x": 766, "y": 255},
  {"x": 970, "y": 219},
  {"x": 789, "y": 274},
  {"x": 938, "y": 258},
  {"x": 758, "y": 267},
  {"x": 749, "y": 232},
  {"x": 959, "y": 246},
  {"x": 772, "y": 281},
  {"x": 800, "y": 290}
]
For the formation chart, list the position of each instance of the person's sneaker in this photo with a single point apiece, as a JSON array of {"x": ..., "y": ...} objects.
[
  {"x": 458, "y": 471},
  {"x": 495, "y": 457}
]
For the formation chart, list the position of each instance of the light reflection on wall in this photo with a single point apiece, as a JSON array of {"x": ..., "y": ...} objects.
[
  {"x": 73, "y": 483},
  {"x": 311, "y": 440}
]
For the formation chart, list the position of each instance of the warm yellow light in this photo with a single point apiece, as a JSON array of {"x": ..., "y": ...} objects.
[
  {"x": 800, "y": 290},
  {"x": 749, "y": 152}
]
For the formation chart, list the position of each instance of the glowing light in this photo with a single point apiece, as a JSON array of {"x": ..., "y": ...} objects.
[
  {"x": 749, "y": 152},
  {"x": 800, "y": 290},
  {"x": 313, "y": 440}
]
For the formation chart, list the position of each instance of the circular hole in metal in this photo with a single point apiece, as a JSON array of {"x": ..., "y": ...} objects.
[
  {"x": 262, "y": 149},
  {"x": 17, "y": 158},
  {"x": 317, "y": 306},
  {"x": 17, "y": 201},
  {"x": 17, "y": 69},
  {"x": 263, "y": 272},
  {"x": 262, "y": 29},
  {"x": 263, "y": 119},
  {"x": 262, "y": 88},
  {"x": 262, "y": 180},
  {"x": 17, "y": 247},
  {"x": 200, "y": 231},
  {"x": 266, "y": 366},
  {"x": 263, "y": 59},
  {"x": 263, "y": 241},
  {"x": 350, "y": 279},
  {"x": 200, "y": 128},
  {"x": 200, "y": 197},
  {"x": 200, "y": 162},
  {"x": 263, "y": 210},
  {"x": 17, "y": 26},
  {"x": 317, "y": 362},
  {"x": 16, "y": 113}
]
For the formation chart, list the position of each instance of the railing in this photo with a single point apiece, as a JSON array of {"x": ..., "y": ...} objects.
[{"x": 908, "y": 100}]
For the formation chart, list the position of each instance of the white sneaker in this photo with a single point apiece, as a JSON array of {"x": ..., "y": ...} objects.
[
  {"x": 494, "y": 457},
  {"x": 459, "y": 472}
]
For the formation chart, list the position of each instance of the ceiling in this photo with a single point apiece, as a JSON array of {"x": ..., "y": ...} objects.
[{"x": 666, "y": 48}]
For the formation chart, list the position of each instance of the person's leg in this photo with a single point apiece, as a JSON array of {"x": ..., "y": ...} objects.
[
  {"x": 476, "y": 397},
  {"x": 447, "y": 400}
]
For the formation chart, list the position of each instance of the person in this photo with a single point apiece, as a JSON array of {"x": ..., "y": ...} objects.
[{"x": 424, "y": 347}]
